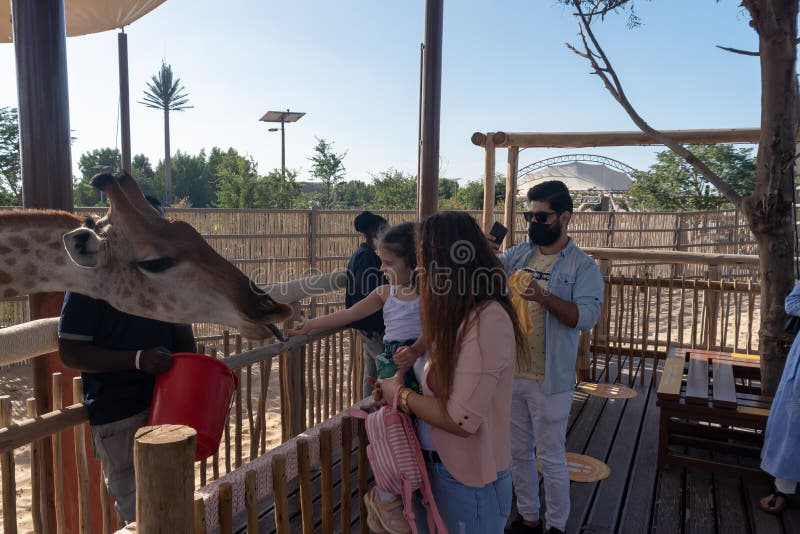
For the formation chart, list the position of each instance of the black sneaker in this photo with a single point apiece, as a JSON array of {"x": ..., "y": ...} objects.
[
  {"x": 554, "y": 530},
  {"x": 519, "y": 527}
]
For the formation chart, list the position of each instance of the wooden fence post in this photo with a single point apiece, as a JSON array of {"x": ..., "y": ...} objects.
[
  {"x": 488, "y": 184},
  {"x": 164, "y": 461},
  {"x": 79, "y": 435},
  {"x": 293, "y": 395},
  {"x": 711, "y": 301},
  {"x": 511, "y": 195},
  {"x": 7, "y": 472}
]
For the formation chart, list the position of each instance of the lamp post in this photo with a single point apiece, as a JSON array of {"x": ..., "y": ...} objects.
[{"x": 283, "y": 117}]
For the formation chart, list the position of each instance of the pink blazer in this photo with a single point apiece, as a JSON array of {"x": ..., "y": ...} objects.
[{"x": 481, "y": 400}]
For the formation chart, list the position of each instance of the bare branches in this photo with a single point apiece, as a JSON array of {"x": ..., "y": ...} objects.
[
  {"x": 601, "y": 66},
  {"x": 737, "y": 51},
  {"x": 747, "y": 52}
]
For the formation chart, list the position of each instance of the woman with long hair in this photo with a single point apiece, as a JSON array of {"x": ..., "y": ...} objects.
[{"x": 473, "y": 341}]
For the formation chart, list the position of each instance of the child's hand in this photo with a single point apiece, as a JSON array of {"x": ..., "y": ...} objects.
[
  {"x": 306, "y": 327},
  {"x": 405, "y": 357}
]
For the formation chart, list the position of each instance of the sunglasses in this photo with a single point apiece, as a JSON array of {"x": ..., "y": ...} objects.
[{"x": 539, "y": 216}]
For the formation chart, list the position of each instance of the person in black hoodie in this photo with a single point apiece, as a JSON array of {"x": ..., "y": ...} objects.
[{"x": 363, "y": 276}]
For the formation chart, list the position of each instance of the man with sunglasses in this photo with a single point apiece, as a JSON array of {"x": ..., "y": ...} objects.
[{"x": 564, "y": 297}]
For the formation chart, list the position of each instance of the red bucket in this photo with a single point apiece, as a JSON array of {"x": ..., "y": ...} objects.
[{"x": 196, "y": 392}]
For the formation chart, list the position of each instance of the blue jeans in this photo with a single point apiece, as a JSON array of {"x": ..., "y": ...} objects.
[{"x": 464, "y": 509}]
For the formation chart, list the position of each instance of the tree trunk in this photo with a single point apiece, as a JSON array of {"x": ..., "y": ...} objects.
[
  {"x": 167, "y": 162},
  {"x": 769, "y": 208}
]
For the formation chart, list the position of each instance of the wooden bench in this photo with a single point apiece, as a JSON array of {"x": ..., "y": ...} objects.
[{"x": 707, "y": 402}]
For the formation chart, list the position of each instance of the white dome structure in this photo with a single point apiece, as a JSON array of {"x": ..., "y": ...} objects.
[{"x": 580, "y": 173}]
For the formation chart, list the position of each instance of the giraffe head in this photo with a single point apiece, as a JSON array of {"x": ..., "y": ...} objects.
[{"x": 164, "y": 269}]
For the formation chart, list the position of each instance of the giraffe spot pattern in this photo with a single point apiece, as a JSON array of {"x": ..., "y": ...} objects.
[
  {"x": 8, "y": 293},
  {"x": 5, "y": 250},
  {"x": 18, "y": 242},
  {"x": 39, "y": 236},
  {"x": 5, "y": 278},
  {"x": 11, "y": 262},
  {"x": 30, "y": 270}
]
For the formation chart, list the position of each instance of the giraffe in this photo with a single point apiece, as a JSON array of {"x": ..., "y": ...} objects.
[{"x": 135, "y": 260}]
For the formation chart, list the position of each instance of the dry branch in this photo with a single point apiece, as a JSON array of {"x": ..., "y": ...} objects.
[{"x": 596, "y": 56}]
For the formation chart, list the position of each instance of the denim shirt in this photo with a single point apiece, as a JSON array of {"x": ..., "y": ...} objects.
[{"x": 574, "y": 277}]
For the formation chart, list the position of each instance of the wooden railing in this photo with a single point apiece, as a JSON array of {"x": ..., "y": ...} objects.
[
  {"x": 265, "y": 411},
  {"x": 641, "y": 315}
]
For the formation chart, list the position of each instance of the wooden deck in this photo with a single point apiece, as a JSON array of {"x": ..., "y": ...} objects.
[{"x": 636, "y": 497}]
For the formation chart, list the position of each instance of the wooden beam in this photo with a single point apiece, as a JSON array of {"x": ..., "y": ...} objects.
[
  {"x": 631, "y": 254},
  {"x": 29, "y": 430},
  {"x": 621, "y": 138}
]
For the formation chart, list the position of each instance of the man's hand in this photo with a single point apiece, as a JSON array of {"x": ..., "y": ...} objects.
[
  {"x": 534, "y": 291},
  {"x": 493, "y": 244},
  {"x": 155, "y": 361}
]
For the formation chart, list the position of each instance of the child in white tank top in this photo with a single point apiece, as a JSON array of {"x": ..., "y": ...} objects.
[{"x": 399, "y": 301}]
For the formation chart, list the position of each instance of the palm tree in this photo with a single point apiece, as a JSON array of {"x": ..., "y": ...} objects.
[{"x": 166, "y": 94}]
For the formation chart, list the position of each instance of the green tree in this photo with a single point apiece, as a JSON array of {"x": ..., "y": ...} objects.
[
  {"x": 10, "y": 172},
  {"x": 395, "y": 190},
  {"x": 95, "y": 161},
  {"x": 276, "y": 191},
  {"x": 470, "y": 196},
  {"x": 671, "y": 184},
  {"x": 448, "y": 188},
  {"x": 354, "y": 194},
  {"x": 327, "y": 167},
  {"x": 166, "y": 94},
  {"x": 142, "y": 171},
  {"x": 190, "y": 178},
  {"x": 237, "y": 180}
]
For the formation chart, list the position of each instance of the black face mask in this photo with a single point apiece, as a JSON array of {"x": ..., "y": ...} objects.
[{"x": 544, "y": 234}]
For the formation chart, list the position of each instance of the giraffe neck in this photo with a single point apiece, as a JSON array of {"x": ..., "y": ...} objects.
[{"x": 32, "y": 254}]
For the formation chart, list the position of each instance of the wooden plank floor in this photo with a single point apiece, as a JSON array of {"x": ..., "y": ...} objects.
[{"x": 635, "y": 498}]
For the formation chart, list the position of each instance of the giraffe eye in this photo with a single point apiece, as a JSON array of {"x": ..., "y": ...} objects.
[{"x": 157, "y": 265}]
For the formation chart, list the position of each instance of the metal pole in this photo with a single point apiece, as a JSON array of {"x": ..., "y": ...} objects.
[
  {"x": 428, "y": 202},
  {"x": 283, "y": 148},
  {"x": 124, "y": 101}
]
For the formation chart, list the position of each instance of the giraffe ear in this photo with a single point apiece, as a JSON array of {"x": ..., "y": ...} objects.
[{"x": 86, "y": 248}]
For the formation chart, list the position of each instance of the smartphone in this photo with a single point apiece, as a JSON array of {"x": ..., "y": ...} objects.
[{"x": 499, "y": 232}]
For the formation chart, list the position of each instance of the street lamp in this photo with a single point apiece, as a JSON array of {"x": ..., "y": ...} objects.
[{"x": 283, "y": 117}]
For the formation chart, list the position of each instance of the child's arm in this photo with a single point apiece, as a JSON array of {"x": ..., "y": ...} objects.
[{"x": 363, "y": 308}]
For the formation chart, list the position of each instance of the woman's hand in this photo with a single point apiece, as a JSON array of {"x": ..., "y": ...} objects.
[
  {"x": 306, "y": 327},
  {"x": 389, "y": 386},
  {"x": 405, "y": 358}
]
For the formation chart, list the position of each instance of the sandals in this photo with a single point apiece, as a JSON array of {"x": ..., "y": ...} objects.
[{"x": 771, "y": 506}]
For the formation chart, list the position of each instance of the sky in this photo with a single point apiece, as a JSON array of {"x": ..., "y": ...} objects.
[{"x": 353, "y": 67}]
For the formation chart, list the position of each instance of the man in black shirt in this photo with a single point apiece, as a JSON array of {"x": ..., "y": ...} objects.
[{"x": 119, "y": 356}]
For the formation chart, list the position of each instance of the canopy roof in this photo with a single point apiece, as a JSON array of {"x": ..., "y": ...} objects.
[
  {"x": 88, "y": 16},
  {"x": 577, "y": 176}
]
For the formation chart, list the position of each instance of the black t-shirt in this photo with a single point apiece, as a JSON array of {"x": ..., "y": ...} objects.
[
  {"x": 363, "y": 276},
  {"x": 116, "y": 395}
]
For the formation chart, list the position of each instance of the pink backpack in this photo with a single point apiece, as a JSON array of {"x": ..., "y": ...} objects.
[{"x": 396, "y": 461}]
